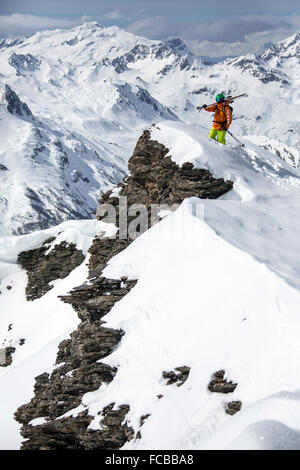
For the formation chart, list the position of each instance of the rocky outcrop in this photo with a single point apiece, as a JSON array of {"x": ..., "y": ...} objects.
[
  {"x": 24, "y": 63},
  {"x": 43, "y": 267},
  {"x": 154, "y": 178},
  {"x": 6, "y": 356},
  {"x": 178, "y": 376},
  {"x": 14, "y": 105},
  {"x": 233, "y": 407},
  {"x": 220, "y": 385},
  {"x": 78, "y": 372},
  {"x": 93, "y": 301}
]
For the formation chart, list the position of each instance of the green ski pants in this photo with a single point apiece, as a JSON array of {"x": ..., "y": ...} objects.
[{"x": 217, "y": 135}]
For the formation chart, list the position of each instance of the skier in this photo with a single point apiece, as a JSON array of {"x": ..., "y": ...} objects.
[{"x": 222, "y": 118}]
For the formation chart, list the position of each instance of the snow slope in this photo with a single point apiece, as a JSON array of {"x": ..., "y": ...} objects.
[
  {"x": 213, "y": 292},
  {"x": 43, "y": 323},
  {"x": 92, "y": 90}
]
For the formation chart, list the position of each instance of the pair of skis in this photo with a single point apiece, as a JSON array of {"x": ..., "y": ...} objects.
[{"x": 229, "y": 99}]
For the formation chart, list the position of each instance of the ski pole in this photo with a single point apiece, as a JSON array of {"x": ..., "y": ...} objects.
[{"x": 237, "y": 140}]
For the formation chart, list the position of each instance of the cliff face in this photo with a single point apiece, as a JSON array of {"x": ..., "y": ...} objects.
[{"x": 154, "y": 179}]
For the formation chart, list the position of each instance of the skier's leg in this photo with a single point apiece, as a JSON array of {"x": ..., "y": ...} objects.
[
  {"x": 212, "y": 134},
  {"x": 221, "y": 137}
]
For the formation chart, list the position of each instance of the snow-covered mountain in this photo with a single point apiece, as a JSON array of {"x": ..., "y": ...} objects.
[
  {"x": 194, "y": 296},
  {"x": 151, "y": 331},
  {"x": 91, "y": 90}
]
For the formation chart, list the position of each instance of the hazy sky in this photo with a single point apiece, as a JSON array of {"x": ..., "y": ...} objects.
[{"x": 217, "y": 28}]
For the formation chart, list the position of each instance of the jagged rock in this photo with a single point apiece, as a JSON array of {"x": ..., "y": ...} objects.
[
  {"x": 233, "y": 407},
  {"x": 220, "y": 385},
  {"x": 156, "y": 179},
  {"x": 24, "y": 63},
  {"x": 14, "y": 105},
  {"x": 256, "y": 67},
  {"x": 79, "y": 373},
  {"x": 71, "y": 433},
  {"x": 179, "y": 377},
  {"x": 6, "y": 356},
  {"x": 43, "y": 268}
]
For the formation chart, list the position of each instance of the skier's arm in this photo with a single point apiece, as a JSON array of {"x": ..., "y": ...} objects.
[{"x": 211, "y": 109}]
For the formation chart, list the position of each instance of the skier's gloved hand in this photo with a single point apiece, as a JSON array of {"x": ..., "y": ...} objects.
[{"x": 204, "y": 106}]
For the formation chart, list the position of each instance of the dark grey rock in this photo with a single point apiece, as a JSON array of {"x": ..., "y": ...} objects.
[
  {"x": 24, "y": 63},
  {"x": 233, "y": 407},
  {"x": 220, "y": 385},
  {"x": 154, "y": 179}
]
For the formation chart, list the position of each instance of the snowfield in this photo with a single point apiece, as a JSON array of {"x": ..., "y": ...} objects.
[{"x": 218, "y": 280}]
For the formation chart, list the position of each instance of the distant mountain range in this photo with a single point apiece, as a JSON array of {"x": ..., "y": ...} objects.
[{"x": 73, "y": 102}]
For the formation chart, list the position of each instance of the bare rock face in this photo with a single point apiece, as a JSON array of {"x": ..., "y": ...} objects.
[
  {"x": 220, "y": 385},
  {"x": 63, "y": 390},
  {"x": 14, "y": 105},
  {"x": 93, "y": 301},
  {"x": 178, "y": 376},
  {"x": 154, "y": 179},
  {"x": 78, "y": 371},
  {"x": 43, "y": 268},
  {"x": 233, "y": 407},
  {"x": 160, "y": 180}
]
